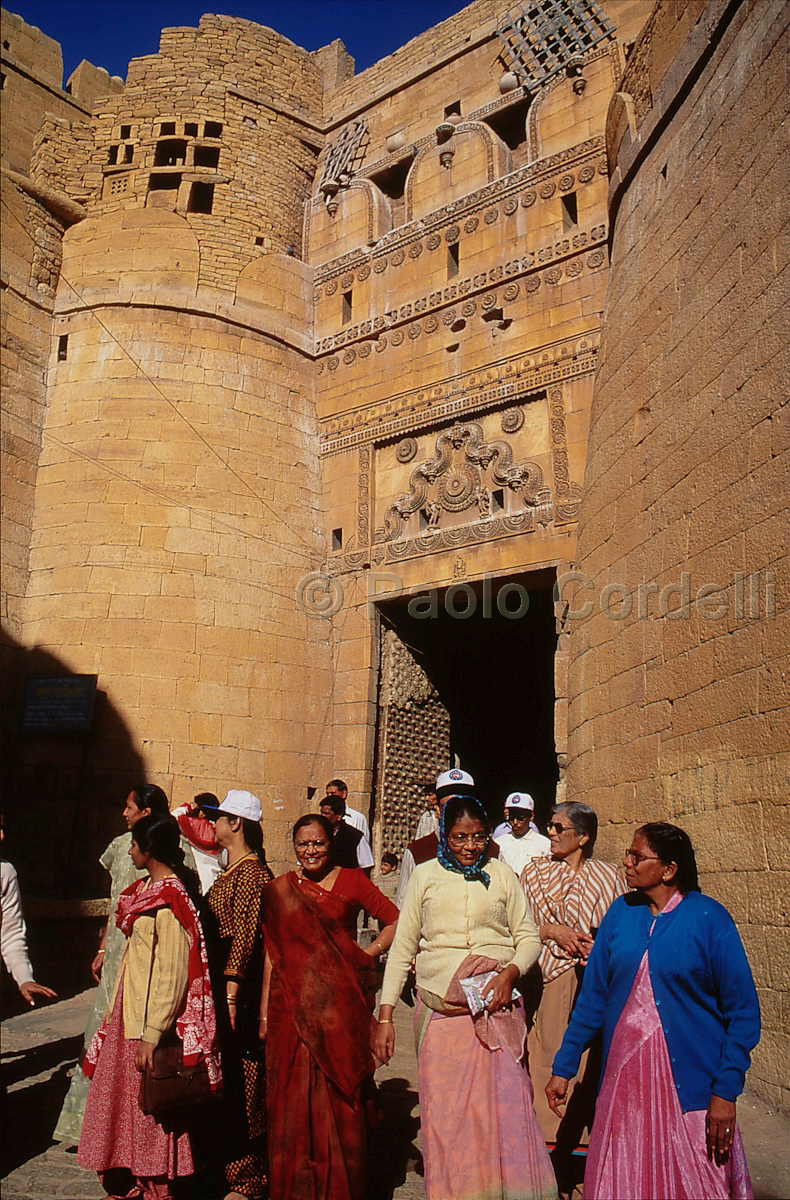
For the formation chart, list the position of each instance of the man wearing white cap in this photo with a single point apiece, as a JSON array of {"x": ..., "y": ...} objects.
[
  {"x": 454, "y": 782},
  {"x": 522, "y": 843}
]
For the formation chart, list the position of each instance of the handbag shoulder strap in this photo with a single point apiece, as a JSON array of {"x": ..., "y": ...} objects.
[{"x": 150, "y": 973}]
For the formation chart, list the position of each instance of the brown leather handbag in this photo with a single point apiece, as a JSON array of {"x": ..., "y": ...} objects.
[{"x": 171, "y": 1085}]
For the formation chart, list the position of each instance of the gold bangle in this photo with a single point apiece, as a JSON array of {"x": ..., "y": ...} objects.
[{"x": 385, "y": 1020}]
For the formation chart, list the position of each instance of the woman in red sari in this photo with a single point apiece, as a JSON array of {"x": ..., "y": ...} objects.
[{"x": 316, "y": 1015}]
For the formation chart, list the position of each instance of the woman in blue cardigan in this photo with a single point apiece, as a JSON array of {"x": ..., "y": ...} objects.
[{"x": 669, "y": 986}]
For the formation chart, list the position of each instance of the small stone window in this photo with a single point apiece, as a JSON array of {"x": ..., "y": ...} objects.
[
  {"x": 207, "y": 156},
  {"x": 570, "y": 211},
  {"x": 128, "y": 153},
  {"x": 118, "y": 185},
  {"x": 452, "y": 110},
  {"x": 63, "y": 347},
  {"x": 510, "y": 123},
  {"x": 392, "y": 182},
  {"x": 112, "y": 157},
  {"x": 126, "y": 132},
  {"x": 201, "y": 198},
  {"x": 190, "y": 129},
  {"x": 337, "y": 539},
  {"x": 167, "y": 127},
  {"x": 212, "y": 129},
  {"x": 347, "y": 305},
  {"x": 164, "y": 183},
  {"x": 453, "y": 256},
  {"x": 170, "y": 154}
]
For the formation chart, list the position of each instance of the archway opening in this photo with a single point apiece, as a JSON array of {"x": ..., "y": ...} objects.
[{"x": 487, "y": 648}]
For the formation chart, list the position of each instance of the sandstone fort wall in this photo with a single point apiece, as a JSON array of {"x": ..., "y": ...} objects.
[
  {"x": 176, "y": 495},
  {"x": 683, "y": 716}
]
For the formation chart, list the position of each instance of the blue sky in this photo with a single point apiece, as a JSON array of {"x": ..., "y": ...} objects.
[{"x": 110, "y": 32}]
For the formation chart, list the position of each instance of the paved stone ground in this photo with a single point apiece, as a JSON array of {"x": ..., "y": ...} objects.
[{"x": 40, "y": 1047}]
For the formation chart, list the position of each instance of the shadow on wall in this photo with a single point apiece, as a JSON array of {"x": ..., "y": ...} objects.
[{"x": 62, "y": 797}]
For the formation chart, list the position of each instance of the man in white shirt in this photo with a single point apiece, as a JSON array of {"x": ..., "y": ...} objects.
[
  {"x": 13, "y": 935},
  {"x": 522, "y": 843},
  {"x": 429, "y": 821},
  {"x": 337, "y": 787}
]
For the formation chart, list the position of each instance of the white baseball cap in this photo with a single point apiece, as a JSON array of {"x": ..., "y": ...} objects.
[
  {"x": 241, "y": 804},
  {"x": 454, "y": 783},
  {"x": 520, "y": 800}
]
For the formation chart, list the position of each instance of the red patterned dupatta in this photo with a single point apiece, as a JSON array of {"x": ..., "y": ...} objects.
[
  {"x": 196, "y": 1025},
  {"x": 328, "y": 983}
]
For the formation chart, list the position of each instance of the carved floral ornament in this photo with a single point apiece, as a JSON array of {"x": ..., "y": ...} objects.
[
  {"x": 527, "y": 267},
  {"x": 461, "y": 396},
  {"x": 459, "y": 478}
]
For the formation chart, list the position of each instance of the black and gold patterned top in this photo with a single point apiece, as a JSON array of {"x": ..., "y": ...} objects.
[
  {"x": 236, "y": 903},
  {"x": 236, "y": 899}
]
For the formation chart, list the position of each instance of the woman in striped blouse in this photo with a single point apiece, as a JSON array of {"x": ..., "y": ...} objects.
[{"x": 568, "y": 893}]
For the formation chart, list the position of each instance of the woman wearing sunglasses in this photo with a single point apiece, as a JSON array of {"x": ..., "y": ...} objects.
[
  {"x": 465, "y": 920},
  {"x": 669, "y": 986},
  {"x": 569, "y": 894}
]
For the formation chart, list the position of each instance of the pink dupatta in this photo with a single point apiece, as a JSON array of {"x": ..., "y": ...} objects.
[{"x": 196, "y": 1024}]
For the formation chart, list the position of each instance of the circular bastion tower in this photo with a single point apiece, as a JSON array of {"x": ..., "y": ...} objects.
[{"x": 178, "y": 499}]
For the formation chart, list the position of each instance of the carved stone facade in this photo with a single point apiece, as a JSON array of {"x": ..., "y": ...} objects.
[{"x": 285, "y": 346}]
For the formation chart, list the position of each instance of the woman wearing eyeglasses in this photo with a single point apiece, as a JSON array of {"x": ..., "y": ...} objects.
[
  {"x": 568, "y": 893},
  {"x": 316, "y": 1014},
  {"x": 669, "y": 986},
  {"x": 464, "y": 917}
]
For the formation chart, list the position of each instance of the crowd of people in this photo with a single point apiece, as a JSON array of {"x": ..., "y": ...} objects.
[{"x": 564, "y": 1009}]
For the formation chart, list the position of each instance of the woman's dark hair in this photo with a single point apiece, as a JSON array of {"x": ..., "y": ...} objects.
[
  {"x": 314, "y": 819},
  {"x": 583, "y": 819},
  {"x": 464, "y": 806},
  {"x": 253, "y": 836},
  {"x": 150, "y": 795},
  {"x": 160, "y": 837},
  {"x": 673, "y": 845}
]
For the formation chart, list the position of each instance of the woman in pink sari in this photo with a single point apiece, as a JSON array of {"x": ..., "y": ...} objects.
[
  {"x": 669, "y": 986},
  {"x": 163, "y": 987},
  {"x": 465, "y": 919}
]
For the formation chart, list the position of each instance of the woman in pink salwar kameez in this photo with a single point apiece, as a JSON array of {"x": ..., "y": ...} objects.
[{"x": 669, "y": 986}]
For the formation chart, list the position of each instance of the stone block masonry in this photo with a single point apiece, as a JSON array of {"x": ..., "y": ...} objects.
[{"x": 687, "y": 473}]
